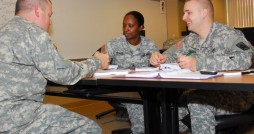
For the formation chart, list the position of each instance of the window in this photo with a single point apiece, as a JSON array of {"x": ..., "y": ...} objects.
[{"x": 240, "y": 13}]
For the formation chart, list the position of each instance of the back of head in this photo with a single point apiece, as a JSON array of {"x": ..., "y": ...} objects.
[
  {"x": 27, "y": 5},
  {"x": 36, "y": 11},
  {"x": 138, "y": 16}
]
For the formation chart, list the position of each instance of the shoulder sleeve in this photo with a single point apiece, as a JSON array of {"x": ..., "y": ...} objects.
[
  {"x": 53, "y": 66},
  {"x": 152, "y": 46},
  {"x": 116, "y": 45},
  {"x": 109, "y": 48},
  {"x": 239, "y": 43}
]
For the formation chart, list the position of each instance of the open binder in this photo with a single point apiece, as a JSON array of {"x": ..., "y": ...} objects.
[
  {"x": 183, "y": 74},
  {"x": 188, "y": 75},
  {"x": 167, "y": 71}
]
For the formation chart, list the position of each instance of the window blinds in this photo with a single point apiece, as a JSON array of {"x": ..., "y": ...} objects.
[{"x": 240, "y": 13}]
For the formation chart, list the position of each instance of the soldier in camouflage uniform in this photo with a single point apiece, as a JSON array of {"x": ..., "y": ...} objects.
[
  {"x": 27, "y": 59},
  {"x": 214, "y": 46},
  {"x": 131, "y": 50}
]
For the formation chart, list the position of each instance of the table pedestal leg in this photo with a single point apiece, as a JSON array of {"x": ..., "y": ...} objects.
[
  {"x": 151, "y": 112},
  {"x": 169, "y": 108}
]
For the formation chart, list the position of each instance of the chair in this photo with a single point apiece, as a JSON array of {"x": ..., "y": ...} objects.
[
  {"x": 121, "y": 111},
  {"x": 122, "y": 131},
  {"x": 230, "y": 124}
]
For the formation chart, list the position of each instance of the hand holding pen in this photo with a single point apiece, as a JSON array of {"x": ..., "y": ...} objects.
[
  {"x": 187, "y": 61},
  {"x": 104, "y": 58},
  {"x": 157, "y": 59},
  {"x": 102, "y": 54}
]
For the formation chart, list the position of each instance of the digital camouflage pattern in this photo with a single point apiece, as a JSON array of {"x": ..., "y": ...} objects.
[
  {"x": 223, "y": 49},
  {"x": 27, "y": 59},
  {"x": 122, "y": 55}
]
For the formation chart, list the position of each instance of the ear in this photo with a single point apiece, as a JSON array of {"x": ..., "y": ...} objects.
[
  {"x": 36, "y": 10},
  {"x": 204, "y": 13},
  {"x": 141, "y": 27}
]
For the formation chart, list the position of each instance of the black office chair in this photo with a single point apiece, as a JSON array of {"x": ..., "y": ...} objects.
[
  {"x": 226, "y": 124},
  {"x": 230, "y": 124},
  {"x": 121, "y": 111},
  {"x": 122, "y": 131}
]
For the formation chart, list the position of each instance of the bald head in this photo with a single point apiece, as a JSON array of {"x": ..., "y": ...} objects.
[
  {"x": 27, "y": 5},
  {"x": 198, "y": 15},
  {"x": 207, "y": 4},
  {"x": 36, "y": 11}
]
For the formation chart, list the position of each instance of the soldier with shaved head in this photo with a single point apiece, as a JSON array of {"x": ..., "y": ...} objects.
[
  {"x": 214, "y": 46},
  {"x": 28, "y": 59}
]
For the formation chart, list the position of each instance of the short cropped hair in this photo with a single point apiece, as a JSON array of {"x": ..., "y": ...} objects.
[
  {"x": 138, "y": 16},
  {"x": 28, "y": 5}
]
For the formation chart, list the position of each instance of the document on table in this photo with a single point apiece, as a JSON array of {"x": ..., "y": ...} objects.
[
  {"x": 173, "y": 71},
  {"x": 170, "y": 67},
  {"x": 142, "y": 74},
  {"x": 187, "y": 74},
  {"x": 168, "y": 71},
  {"x": 147, "y": 69},
  {"x": 111, "y": 72},
  {"x": 180, "y": 74}
]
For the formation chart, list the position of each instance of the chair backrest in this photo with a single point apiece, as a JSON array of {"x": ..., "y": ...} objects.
[
  {"x": 237, "y": 122},
  {"x": 248, "y": 33}
]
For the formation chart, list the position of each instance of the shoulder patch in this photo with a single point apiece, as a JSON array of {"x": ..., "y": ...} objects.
[
  {"x": 242, "y": 46},
  {"x": 179, "y": 44}
]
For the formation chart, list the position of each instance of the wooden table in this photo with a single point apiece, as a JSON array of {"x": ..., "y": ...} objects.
[
  {"x": 160, "y": 95},
  {"x": 168, "y": 90}
]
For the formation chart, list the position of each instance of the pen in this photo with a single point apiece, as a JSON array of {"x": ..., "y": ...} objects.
[
  {"x": 239, "y": 73},
  {"x": 189, "y": 53}
]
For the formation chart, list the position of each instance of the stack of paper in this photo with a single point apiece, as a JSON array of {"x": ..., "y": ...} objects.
[
  {"x": 111, "y": 72},
  {"x": 170, "y": 71},
  {"x": 143, "y": 75},
  {"x": 146, "y": 69},
  {"x": 170, "y": 67},
  {"x": 185, "y": 74}
]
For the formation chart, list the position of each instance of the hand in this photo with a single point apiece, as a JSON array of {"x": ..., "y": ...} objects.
[
  {"x": 157, "y": 59},
  {"x": 104, "y": 58},
  {"x": 187, "y": 62}
]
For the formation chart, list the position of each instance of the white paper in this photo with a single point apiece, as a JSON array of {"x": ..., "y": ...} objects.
[
  {"x": 112, "y": 67},
  {"x": 111, "y": 72},
  {"x": 143, "y": 75},
  {"x": 187, "y": 74},
  {"x": 146, "y": 69},
  {"x": 170, "y": 67}
]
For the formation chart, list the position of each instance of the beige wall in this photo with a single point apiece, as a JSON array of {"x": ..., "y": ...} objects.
[
  {"x": 80, "y": 27},
  {"x": 175, "y": 13},
  {"x": 172, "y": 18},
  {"x": 220, "y": 14}
]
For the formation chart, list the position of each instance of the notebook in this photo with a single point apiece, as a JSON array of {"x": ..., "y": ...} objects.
[{"x": 185, "y": 74}]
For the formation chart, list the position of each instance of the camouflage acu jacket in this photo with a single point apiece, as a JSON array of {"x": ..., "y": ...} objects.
[
  {"x": 123, "y": 56},
  {"x": 223, "y": 49},
  {"x": 27, "y": 59}
]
